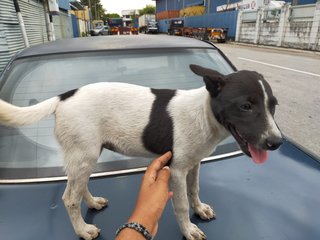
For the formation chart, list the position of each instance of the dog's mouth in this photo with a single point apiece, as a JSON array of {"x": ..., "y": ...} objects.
[{"x": 258, "y": 155}]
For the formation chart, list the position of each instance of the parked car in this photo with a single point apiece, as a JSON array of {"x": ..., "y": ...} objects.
[
  {"x": 175, "y": 27},
  {"x": 152, "y": 27},
  {"x": 219, "y": 34},
  {"x": 99, "y": 31},
  {"x": 278, "y": 200}
]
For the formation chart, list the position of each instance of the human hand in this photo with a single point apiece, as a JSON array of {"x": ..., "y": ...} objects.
[{"x": 154, "y": 194}]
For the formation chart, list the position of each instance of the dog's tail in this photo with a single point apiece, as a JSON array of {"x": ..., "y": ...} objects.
[{"x": 13, "y": 116}]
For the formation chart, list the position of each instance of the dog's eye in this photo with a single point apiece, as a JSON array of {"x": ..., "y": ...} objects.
[{"x": 246, "y": 107}]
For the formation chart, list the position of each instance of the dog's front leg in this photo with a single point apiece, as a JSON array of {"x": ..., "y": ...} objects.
[
  {"x": 205, "y": 211},
  {"x": 178, "y": 184}
]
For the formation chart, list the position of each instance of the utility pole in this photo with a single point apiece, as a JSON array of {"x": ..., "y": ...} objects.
[
  {"x": 90, "y": 13},
  {"x": 49, "y": 20},
  {"x": 21, "y": 23},
  {"x": 95, "y": 10}
]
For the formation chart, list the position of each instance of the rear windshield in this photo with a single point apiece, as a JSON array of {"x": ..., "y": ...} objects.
[{"x": 32, "y": 151}]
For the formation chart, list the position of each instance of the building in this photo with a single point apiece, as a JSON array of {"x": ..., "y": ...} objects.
[
  {"x": 129, "y": 17},
  {"x": 80, "y": 18},
  {"x": 41, "y": 24},
  {"x": 208, "y": 13}
]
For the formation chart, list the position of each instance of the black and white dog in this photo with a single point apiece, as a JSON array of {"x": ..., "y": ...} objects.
[{"x": 140, "y": 121}]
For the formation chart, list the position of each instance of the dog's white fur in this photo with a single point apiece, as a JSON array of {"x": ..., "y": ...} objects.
[
  {"x": 117, "y": 113},
  {"x": 191, "y": 144},
  {"x": 272, "y": 128}
]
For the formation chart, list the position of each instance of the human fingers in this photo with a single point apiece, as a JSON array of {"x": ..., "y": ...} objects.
[
  {"x": 162, "y": 181},
  {"x": 170, "y": 194},
  {"x": 160, "y": 162},
  {"x": 164, "y": 175},
  {"x": 157, "y": 164}
]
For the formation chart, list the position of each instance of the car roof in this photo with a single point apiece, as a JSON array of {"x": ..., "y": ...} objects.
[{"x": 114, "y": 42}]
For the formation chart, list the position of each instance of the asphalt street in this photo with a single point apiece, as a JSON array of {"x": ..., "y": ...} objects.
[{"x": 294, "y": 76}]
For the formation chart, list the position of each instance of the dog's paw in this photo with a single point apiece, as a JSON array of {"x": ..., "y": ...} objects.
[
  {"x": 97, "y": 203},
  {"x": 192, "y": 232},
  {"x": 205, "y": 211},
  {"x": 89, "y": 232}
]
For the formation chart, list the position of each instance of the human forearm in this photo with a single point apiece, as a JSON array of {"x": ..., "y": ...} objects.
[{"x": 151, "y": 201}]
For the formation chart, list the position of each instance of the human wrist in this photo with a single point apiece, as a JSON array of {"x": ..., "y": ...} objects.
[
  {"x": 135, "y": 230},
  {"x": 147, "y": 221},
  {"x": 144, "y": 217},
  {"x": 129, "y": 234}
]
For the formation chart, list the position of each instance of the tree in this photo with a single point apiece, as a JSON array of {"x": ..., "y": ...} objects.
[
  {"x": 106, "y": 16},
  {"x": 149, "y": 9},
  {"x": 112, "y": 15},
  {"x": 97, "y": 10}
]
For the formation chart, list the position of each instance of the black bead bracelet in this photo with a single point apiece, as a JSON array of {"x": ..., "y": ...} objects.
[{"x": 138, "y": 227}]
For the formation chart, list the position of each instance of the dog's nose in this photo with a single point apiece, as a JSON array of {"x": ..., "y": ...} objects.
[{"x": 274, "y": 142}]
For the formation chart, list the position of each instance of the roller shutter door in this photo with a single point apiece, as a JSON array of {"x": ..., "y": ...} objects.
[
  {"x": 10, "y": 34},
  {"x": 33, "y": 14}
]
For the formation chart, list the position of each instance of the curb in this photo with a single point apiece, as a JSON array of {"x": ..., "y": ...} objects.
[{"x": 294, "y": 50}]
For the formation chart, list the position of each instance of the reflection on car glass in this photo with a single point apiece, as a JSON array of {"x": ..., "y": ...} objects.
[{"x": 35, "y": 80}]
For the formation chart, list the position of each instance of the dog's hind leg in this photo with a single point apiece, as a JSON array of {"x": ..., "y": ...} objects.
[
  {"x": 79, "y": 165},
  {"x": 94, "y": 202},
  {"x": 203, "y": 210}
]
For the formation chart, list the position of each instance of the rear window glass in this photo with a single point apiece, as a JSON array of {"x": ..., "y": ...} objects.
[{"x": 32, "y": 151}]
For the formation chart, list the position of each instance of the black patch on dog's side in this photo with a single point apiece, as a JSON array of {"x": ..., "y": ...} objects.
[
  {"x": 68, "y": 94},
  {"x": 110, "y": 146},
  {"x": 158, "y": 134}
]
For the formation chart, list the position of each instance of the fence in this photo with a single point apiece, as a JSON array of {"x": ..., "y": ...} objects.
[
  {"x": 290, "y": 26},
  {"x": 215, "y": 20}
]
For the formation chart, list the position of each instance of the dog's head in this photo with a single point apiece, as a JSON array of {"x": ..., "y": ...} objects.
[{"x": 244, "y": 104}]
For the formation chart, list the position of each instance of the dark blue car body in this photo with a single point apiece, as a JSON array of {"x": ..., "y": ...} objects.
[{"x": 278, "y": 200}]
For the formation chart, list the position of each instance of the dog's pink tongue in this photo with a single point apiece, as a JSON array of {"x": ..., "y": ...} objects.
[{"x": 258, "y": 156}]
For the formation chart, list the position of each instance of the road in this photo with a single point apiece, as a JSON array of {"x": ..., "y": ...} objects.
[{"x": 295, "y": 79}]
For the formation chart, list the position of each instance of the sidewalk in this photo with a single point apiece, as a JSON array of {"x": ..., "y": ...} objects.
[{"x": 275, "y": 48}]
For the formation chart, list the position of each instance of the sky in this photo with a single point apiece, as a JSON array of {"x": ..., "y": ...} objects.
[{"x": 116, "y": 6}]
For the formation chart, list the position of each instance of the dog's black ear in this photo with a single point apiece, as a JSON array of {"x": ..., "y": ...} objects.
[
  {"x": 201, "y": 71},
  {"x": 214, "y": 80},
  {"x": 260, "y": 75}
]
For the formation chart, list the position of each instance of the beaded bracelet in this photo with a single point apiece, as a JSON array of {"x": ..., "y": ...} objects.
[{"x": 138, "y": 227}]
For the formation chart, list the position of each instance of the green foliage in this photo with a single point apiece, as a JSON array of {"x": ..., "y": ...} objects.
[
  {"x": 112, "y": 15},
  {"x": 105, "y": 17},
  {"x": 97, "y": 10},
  {"x": 149, "y": 9}
]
